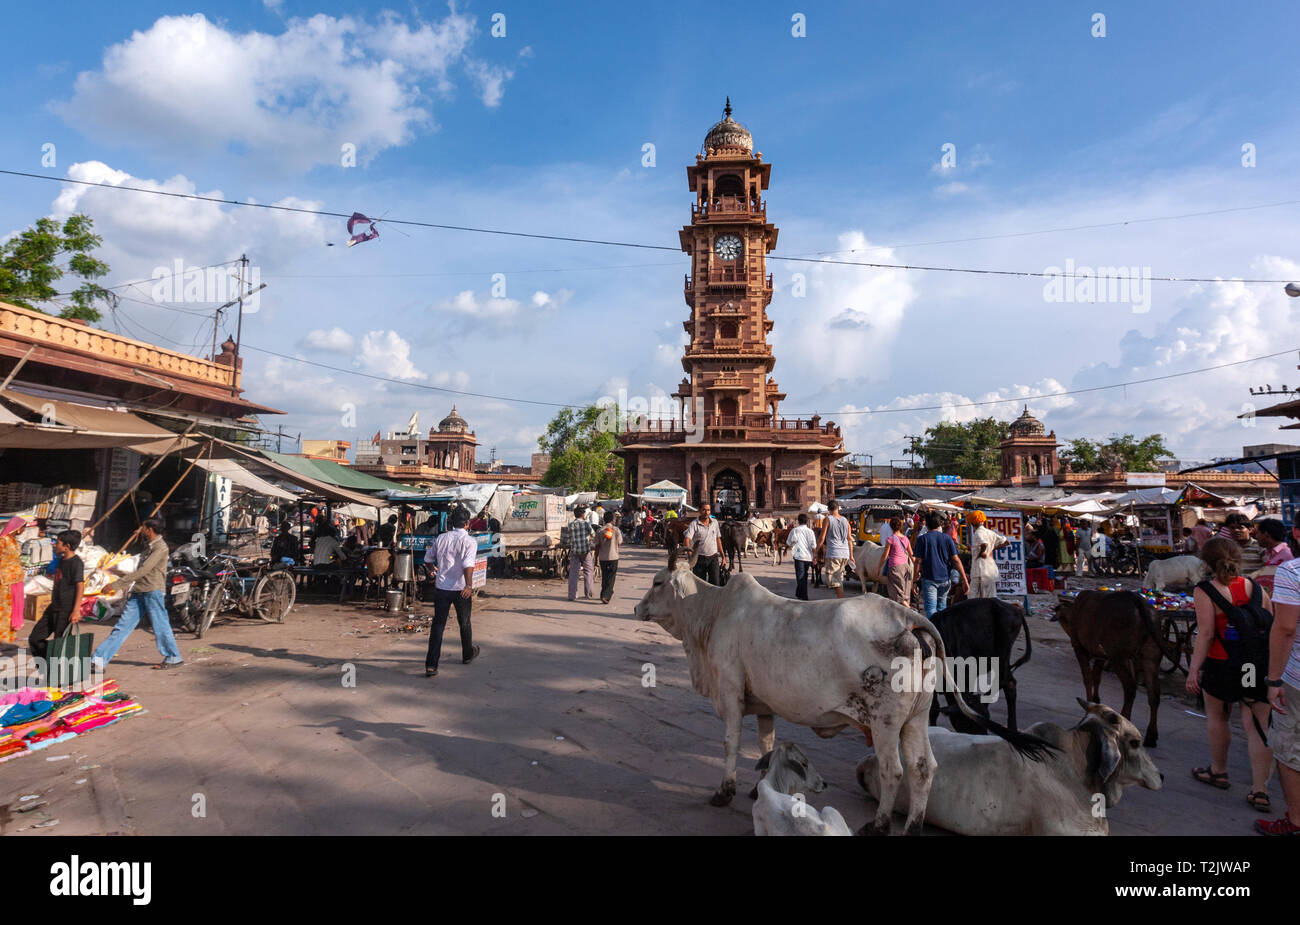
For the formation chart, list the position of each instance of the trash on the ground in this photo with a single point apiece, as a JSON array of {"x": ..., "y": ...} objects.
[
  {"x": 86, "y": 767},
  {"x": 29, "y": 796},
  {"x": 31, "y": 806},
  {"x": 47, "y": 824},
  {"x": 82, "y": 780},
  {"x": 534, "y": 762},
  {"x": 1194, "y": 713},
  {"x": 559, "y": 738},
  {"x": 58, "y": 757},
  {"x": 528, "y": 813}
]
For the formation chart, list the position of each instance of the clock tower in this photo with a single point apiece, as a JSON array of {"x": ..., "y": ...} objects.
[{"x": 735, "y": 451}]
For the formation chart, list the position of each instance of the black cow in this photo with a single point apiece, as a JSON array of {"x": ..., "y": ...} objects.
[
  {"x": 734, "y": 533},
  {"x": 981, "y": 628}
]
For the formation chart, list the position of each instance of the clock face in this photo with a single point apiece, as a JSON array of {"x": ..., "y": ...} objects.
[{"x": 727, "y": 247}]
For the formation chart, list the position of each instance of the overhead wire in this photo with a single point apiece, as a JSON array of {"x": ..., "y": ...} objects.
[{"x": 676, "y": 249}]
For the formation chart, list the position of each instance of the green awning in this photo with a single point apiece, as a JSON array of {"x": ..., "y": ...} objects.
[{"x": 332, "y": 473}]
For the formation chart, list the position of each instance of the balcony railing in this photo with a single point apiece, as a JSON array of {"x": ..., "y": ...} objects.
[
  {"x": 728, "y": 382},
  {"x": 729, "y": 206},
  {"x": 64, "y": 334}
]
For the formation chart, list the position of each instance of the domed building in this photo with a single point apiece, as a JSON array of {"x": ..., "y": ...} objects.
[
  {"x": 1029, "y": 452},
  {"x": 729, "y": 444},
  {"x": 452, "y": 446}
]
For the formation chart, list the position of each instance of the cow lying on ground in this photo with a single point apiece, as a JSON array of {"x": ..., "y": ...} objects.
[
  {"x": 981, "y": 632},
  {"x": 780, "y": 800},
  {"x": 1178, "y": 572},
  {"x": 866, "y": 563},
  {"x": 826, "y": 664},
  {"x": 1118, "y": 626},
  {"x": 982, "y": 787}
]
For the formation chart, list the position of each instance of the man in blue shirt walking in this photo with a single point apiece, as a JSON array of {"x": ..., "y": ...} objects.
[{"x": 937, "y": 553}]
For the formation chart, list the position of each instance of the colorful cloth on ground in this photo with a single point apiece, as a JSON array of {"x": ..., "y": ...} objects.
[{"x": 38, "y": 717}]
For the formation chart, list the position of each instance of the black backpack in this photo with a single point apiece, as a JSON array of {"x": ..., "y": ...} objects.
[{"x": 1252, "y": 625}]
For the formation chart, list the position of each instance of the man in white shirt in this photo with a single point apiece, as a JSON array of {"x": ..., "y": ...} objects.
[
  {"x": 802, "y": 543},
  {"x": 1283, "y": 684},
  {"x": 704, "y": 540},
  {"x": 595, "y": 516},
  {"x": 454, "y": 552},
  {"x": 983, "y": 568}
]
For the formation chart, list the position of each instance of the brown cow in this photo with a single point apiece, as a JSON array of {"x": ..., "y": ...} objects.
[{"x": 1118, "y": 626}]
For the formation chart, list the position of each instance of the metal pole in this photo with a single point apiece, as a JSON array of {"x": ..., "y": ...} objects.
[{"x": 239, "y": 326}]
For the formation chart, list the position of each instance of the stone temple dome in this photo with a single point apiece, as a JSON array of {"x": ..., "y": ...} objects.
[
  {"x": 455, "y": 424},
  {"x": 1027, "y": 425},
  {"x": 729, "y": 136}
]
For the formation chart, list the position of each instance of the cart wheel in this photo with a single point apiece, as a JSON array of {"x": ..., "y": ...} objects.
[{"x": 274, "y": 596}]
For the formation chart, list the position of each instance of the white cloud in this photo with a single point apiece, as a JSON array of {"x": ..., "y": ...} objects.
[
  {"x": 456, "y": 379},
  {"x": 955, "y": 188},
  {"x": 468, "y": 302},
  {"x": 191, "y": 85},
  {"x": 335, "y": 340},
  {"x": 387, "y": 353}
]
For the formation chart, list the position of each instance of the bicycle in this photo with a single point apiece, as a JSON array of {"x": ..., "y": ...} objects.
[{"x": 257, "y": 590}]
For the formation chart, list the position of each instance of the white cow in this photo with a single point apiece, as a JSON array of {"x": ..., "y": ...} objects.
[
  {"x": 983, "y": 787},
  {"x": 866, "y": 562},
  {"x": 780, "y": 802},
  {"x": 826, "y": 664},
  {"x": 1180, "y": 571}
]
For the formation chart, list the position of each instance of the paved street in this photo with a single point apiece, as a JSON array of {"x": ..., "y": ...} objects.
[{"x": 259, "y": 731}]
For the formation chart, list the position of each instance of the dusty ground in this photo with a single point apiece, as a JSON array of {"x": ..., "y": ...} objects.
[{"x": 259, "y": 731}]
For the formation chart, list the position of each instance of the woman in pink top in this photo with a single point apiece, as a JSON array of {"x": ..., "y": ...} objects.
[{"x": 898, "y": 563}]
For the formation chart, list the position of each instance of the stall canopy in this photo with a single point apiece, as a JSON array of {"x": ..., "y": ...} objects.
[
  {"x": 240, "y": 475},
  {"x": 62, "y": 425},
  {"x": 664, "y": 492},
  {"x": 312, "y": 486},
  {"x": 324, "y": 470}
]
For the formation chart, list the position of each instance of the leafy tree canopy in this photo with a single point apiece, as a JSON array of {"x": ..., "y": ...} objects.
[
  {"x": 1124, "y": 452},
  {"x": 967, "y": 449},
  {"x": 34, "y": 260},
  {"x": 581, "y": 448}
]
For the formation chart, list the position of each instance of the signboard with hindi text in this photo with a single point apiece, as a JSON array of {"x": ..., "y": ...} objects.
[{"x": 1010, "y": 559}]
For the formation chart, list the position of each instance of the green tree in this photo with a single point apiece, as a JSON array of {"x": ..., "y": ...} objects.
[
  {"x": 31, "y": 262},
  {"x": 969, "y": 450},
  {"x": 1125, "y": 452},
  {"x": 581, "y": 448}
]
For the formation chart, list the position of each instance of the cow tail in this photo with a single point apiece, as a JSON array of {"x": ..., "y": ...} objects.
[
  {"x": 1149, "y": 621},
  {"x": 1026, "y": 745},
  {"x": 1029, "y": 646}
]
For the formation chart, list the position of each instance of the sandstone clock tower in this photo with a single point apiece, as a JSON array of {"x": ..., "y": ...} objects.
[{"x": 730, "y": 447}]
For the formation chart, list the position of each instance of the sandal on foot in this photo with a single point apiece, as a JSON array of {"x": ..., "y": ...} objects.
[
  {"x": 164, "y": 666},
  {"x": 1259, "y": 801},
  {"x": 1206, "y": 776}
]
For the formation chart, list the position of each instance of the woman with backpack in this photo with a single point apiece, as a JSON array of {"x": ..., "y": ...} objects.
[{"x": 1233, "y": 619}]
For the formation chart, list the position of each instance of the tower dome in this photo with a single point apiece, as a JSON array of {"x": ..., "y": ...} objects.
[
  {"x": 1027, "y": 425},
  {"x": 729, "y": 136},
  {"x": 453, "y": 423}
]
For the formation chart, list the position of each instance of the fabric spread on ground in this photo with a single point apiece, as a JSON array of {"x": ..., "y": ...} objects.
[{"x": 34, "y": 718}]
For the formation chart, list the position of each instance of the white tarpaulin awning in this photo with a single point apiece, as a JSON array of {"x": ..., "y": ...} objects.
[{"x": 238, "y": 474}]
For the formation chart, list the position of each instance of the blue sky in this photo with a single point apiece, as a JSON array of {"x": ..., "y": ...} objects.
[{"x": 542, "y": 130}]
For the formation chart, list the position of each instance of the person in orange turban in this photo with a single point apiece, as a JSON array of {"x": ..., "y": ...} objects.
[{"x": 976, "y": 518}]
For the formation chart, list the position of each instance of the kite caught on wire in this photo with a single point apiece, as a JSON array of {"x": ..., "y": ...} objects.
[{"x": 369, "y": 232}]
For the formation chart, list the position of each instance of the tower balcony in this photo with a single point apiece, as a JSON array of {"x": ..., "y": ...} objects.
[
  {"x": 727, "y": 384},
  {"x": 727, "y": 208}
]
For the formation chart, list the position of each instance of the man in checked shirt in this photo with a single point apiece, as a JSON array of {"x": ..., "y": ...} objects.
[
  {"x": 578, "y": 535},
  {"x": 454, "y": 552}
]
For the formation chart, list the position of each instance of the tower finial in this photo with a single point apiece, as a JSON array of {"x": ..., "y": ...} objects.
[{"x": 727, "y": 111}]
